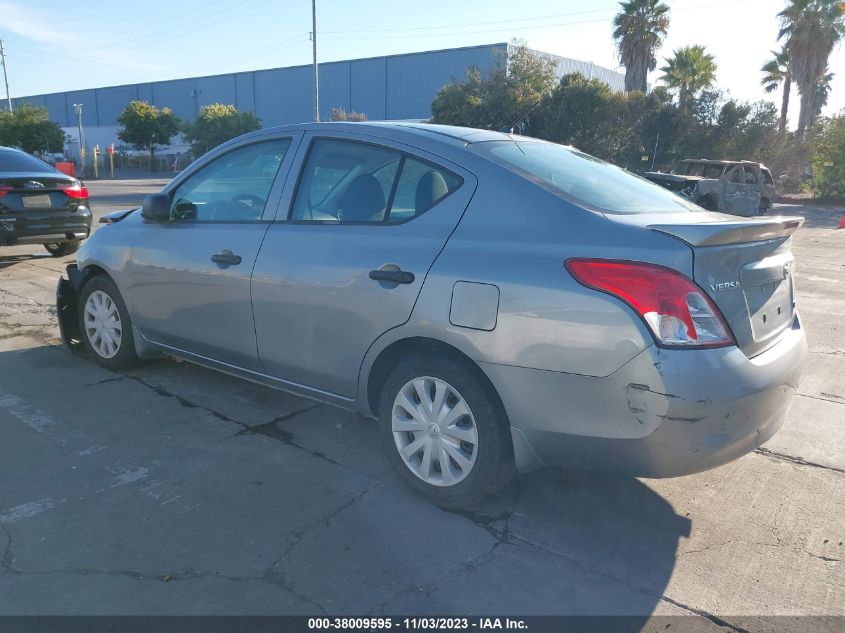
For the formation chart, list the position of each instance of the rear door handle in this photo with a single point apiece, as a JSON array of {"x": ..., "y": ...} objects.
[
  {"x": 393, "y": 276},
  {"x": 226, "y": 257}
]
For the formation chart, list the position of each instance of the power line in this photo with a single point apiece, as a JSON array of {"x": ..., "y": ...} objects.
[{"x": 197, "y": 25}]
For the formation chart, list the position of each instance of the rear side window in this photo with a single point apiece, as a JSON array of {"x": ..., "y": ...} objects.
[
  {"x": 581, "y": 178},
  {"x": 20, "y": 161},
  {"x": 347, "y": 182},
  {"x": 767, "y": 177},
  {"x": 421, "y": 186}
]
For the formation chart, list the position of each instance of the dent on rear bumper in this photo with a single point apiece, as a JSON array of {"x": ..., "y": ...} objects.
[{"x": 665, "y": 413}]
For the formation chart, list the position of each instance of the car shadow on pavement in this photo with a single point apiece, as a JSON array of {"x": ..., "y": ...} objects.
[
  {"x": 11, "y": 260},
  {"x": 261, "y": 502}
]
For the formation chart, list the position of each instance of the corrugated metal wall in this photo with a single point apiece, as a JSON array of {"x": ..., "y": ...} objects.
[{"x": 392, "y": 87}]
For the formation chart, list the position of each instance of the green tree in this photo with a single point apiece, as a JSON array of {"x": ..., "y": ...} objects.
[
  {"x": 584, "y": 113},
  {"x": 518, "y": 82},
  {"x": 145, "y": 127},
  {"x": 829, "y": 158},
  {"x": 29, "y": 127},
  {"x": 688, "y": 71},
  {"x": 639, "y": 29},
  {"x": 811, "y": 30},
  {"x": 216, "y": 124},
  {"x": 777, "y": 71}
]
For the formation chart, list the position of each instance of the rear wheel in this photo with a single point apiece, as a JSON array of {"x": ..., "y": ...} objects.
[
  {"x": 105, "y": 325},
  {"x": 60, "y": 249},
  {"x": 445, "y": 432}
]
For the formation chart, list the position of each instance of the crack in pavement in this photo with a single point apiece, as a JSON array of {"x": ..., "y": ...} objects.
[
  {"x": 6, "y": 561},
  {"x": 800, "y": 461},
  {"x": 831, "y": 397},
  {"x": 269, "y": 429}
]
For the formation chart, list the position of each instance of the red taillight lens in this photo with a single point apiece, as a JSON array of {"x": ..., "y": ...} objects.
[
  {"x": 75, "y": 191},
  {"x": 677, "y": 312},
  {"x": 4, "y": 190}
]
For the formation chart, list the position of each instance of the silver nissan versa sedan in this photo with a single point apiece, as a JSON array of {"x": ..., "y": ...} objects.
[{"x": 495, "y": 301}]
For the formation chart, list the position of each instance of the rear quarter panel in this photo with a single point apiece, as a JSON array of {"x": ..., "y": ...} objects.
[{"x": 516, "y": 236}]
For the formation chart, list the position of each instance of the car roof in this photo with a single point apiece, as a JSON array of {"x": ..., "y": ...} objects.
[
  {"x": 710, "y": 161},
  {"x": 450, "y": 134}
]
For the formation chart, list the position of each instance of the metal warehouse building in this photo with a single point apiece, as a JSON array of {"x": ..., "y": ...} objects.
[{"x": 390, "y": 87}]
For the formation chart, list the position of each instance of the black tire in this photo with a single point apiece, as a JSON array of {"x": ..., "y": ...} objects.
[
  {"x": 60, "y": 249},
  {"x": 494, "y": 464},
  {"x": 125, "y": 356}
]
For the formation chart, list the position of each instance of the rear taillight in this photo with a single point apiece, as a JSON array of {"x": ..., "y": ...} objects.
[
  {"x": 4, "y": 190},
  {"x": 677, "y": 312},
  {"x": 75, "y": 190}
]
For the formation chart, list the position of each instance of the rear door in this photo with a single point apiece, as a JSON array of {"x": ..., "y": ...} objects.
[
  {"x": 741, "y": 194},
  {"x": 349, "y": 254}
]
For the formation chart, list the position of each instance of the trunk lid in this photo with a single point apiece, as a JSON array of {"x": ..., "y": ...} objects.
[
  {"x": 35, "y": 192},
  {"x": 744, "y": 265}
]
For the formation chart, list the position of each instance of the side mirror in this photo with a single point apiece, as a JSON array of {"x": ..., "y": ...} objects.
[{"x": 156, "y": 207}]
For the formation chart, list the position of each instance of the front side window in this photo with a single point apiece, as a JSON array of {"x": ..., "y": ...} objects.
[
  {"x": 346, "y": 182},
  {"x": 233, "y": 187},
  {"x": 582, "y": 178},
  {"x": 736, "y": 175}
]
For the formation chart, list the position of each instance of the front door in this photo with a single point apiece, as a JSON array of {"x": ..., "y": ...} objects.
[
  {"x": 741, "y": 193},
  {"x": 190, "y": 276},
  {"x": 366, "y": 223}
]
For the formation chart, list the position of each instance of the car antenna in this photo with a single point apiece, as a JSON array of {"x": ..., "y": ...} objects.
[{"x": 510, "y": 128}]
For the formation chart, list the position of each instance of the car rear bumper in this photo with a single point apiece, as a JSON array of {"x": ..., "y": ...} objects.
[
  {"x": 45, "y": 229},
  {"x": 664, "y": 414}
]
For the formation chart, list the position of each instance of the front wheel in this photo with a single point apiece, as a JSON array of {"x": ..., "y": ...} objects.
[
  {"x": 105, "y": 325},
  {"x": 60, "y": 249},
  {"x": 445, "y": 431}
]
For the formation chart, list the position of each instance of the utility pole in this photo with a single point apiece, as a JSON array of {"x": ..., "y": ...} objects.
[
  {"x": 314, "y": 50},
  {"x": 77, "y": 107},
  {"x": 5, "y": 75}
]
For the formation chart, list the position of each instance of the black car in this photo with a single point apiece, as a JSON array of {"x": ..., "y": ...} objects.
[{"x": 41, "y": 205}]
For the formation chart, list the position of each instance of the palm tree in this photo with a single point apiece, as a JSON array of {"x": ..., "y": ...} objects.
[
  {"x": 823, "y": 90},
  {"x": 811, "y": 29},
  {"x": 690, "y": 70},
  {"x": 777, "y": 71},
  {"x": 639, "y": 29}
]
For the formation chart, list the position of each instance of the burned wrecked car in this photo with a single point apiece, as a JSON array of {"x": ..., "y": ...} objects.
[{"x": 737, "y": 187}]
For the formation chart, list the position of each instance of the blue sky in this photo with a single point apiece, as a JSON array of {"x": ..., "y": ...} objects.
[{"x": 55, "y": 45}]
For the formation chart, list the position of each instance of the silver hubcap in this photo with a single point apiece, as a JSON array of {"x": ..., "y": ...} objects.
[
  {"x": 102, "y": 324},
  {"x": 434, "y": 431}
]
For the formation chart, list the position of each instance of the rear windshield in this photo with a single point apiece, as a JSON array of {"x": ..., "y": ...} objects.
[
  {"x": 581, "y": 178},
  {"x": 19, "y": 161}
]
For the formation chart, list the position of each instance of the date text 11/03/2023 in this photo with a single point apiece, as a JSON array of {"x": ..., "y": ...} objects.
[{"x": 412, "y": 624}]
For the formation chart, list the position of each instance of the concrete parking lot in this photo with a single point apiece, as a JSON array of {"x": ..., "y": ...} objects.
[{"x": 171, "y": 489}]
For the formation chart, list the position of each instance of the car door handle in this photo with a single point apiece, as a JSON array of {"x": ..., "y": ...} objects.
[
  {"x": 226, "y": 257},
  {"x": 394, "y": 276}
]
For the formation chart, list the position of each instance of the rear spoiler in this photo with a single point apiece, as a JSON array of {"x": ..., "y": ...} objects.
[{"x": 731, "y": 232}]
